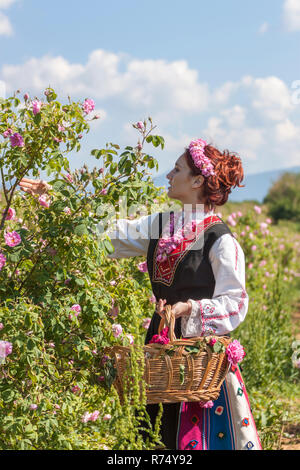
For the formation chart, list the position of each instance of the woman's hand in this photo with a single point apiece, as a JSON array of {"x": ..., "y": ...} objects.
[
  {"x": 180, "y": 309},
  {"x": 34, "y": 187}
]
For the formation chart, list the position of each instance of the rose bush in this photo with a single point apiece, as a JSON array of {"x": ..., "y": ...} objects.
[{"x": 59, "y": 292}]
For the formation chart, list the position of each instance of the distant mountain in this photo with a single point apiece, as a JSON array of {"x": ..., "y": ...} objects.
[{"x": 256, "y": 185}]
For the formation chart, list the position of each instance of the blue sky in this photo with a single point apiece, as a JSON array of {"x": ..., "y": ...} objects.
[{"x": 222, "y": 71}]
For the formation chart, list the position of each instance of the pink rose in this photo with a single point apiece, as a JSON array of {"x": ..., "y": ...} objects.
[
  {"x": 44, "y": 200},
  {"x": 94, "y": 416},
  {"x": 1, "y": 326},
  {"x": 106, "y": 417},
  {"x": 2, "y": 260},
  {"x": 152, "y": 299},
  {"x": 7, "y": 133},
  {"x": 235, "y": 352},
  {"x": 68, "y": 177},
  {"x": 146, "y": 323},
  {"x": 12, "y": 239},
  {"x": 140, "y": 125},
  {"x": 162, "y": 338},
  {"x": 33, "y": 406},
  {"x": 85, "y": 417},
  {"x": 16, "y": 140},
  {"x": 5, "y": 348},
  {"x": 250, "y": 265},
  {"x": 143, "y": 267},
  {"x": 131, "y": 339},
  {"x": 88, "y": 105},
  {"x": 103, "y": 191},
  {"x": 212, "y": 341},
  {"x": 11, "y": 213},
  {"x": 206, "y": 404},
  {"x": 75, "y": 389},
  {"x": 231, "y": 222},
  {"x": 76, "y": 308},
  {"x": 257, "y": 209},
  {"x": 36, "y": 107},
  {"x": 253, "y": 247},
  {"x": 26, "y": 97},
  {"x": 116, "y": 330}
]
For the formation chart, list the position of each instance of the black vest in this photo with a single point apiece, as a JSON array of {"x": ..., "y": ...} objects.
[{"x": 190, "y": 276}]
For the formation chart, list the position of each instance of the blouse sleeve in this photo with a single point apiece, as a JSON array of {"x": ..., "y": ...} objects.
[
  {"x": 130, "y": 237},
  {"x": 229, "y": 304}
]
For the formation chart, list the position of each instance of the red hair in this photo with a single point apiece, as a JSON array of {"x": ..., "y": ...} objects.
[{"x": 229, "y": 173}]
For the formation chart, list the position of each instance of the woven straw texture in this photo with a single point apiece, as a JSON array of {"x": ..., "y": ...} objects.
[{"x": 172, "y": 374}]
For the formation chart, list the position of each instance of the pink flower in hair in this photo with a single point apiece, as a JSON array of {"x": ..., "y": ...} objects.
[
  {"x": 201, "y": 161},
  {"x": 235, "y": 352}
]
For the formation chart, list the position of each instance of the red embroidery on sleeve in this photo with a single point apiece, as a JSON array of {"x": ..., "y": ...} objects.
[
  {"x": 236, "y": 253},
  {"x": 212, "y": 315}
]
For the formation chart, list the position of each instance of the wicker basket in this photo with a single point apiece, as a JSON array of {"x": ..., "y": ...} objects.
[{"x": 174, "y": 374}]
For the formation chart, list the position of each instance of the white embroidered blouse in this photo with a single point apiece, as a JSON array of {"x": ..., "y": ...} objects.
[{"x": 229, "y": 304}]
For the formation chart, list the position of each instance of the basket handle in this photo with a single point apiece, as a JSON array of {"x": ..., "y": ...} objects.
[{"x": 168, "y": 320}]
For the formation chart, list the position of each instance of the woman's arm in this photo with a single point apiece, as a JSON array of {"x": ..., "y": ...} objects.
[
  {"x": 131, "y": 237},
  {"x": 229, "y": 304}
]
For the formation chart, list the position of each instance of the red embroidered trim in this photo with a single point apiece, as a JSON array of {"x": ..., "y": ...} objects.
[
  {"x": 226, "y": 315},
  {"x": 236, "y": 253},
  {"x": 164, "y": 272}
]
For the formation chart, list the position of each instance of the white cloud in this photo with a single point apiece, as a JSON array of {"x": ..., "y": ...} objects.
[
  {"x": 6, "y": 4},
  {"x": 263, "y": 27},
  {"x": 253, "y": 116},
  {"x": 245, "y": 140},
  {"x": 222, "y": 94},
  {"x": 6, "y": 28},
  {"x": 286, "y": 131},
  {"x": 5, "y": 25},
  {"x": 271, "y": 97},
  {"x": 138, "y": 83},
  {"x": 291, "y": 15},
  {"x": 235, "y": 116}
]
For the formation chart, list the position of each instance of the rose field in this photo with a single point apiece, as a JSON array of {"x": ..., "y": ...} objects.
[{"x": 64, "y": 301}]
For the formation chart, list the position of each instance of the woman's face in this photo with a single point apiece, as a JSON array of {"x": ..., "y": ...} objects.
[{"x": 183, "y": 186}]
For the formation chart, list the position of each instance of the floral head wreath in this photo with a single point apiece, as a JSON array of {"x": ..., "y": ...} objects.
[{"x": 196, "y": 149}]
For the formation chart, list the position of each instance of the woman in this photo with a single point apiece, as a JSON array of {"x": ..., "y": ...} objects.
[{"x": 198, "y": 267}]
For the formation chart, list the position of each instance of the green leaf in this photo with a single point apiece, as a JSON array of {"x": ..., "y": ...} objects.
[
  {"x": 80, "y": 230},
  {"x": 181, "y": 372},
  {"x": 108, "y": 246},
  {"x": 37, "y": 119}
]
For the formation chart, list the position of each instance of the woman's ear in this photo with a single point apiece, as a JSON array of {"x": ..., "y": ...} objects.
[{"x": 198, "y": 181}]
